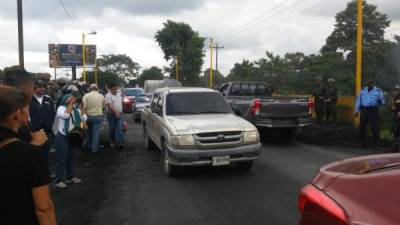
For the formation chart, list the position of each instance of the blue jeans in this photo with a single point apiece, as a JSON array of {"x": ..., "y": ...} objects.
[
  {"x": 116, "y": 128},
  {"x": 94, "y": 123},
  {"x": 65, "y": 158}
]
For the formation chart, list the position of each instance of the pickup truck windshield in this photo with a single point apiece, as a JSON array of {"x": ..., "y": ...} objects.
[{"x": 196, "y": 103}]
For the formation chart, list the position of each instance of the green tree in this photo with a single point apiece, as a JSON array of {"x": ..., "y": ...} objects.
[
  {"x": 178, "y": 40},
  {"x": 104, "y": 77},
  {"x": 153, "y": 73},
  {"x": 218, "y": 78},
  {"x": 345, "y": 33},
  {"x": 375, "y": 48},
  {"x": 119, "y": 64},
  {"x": 245, "y": 71}
]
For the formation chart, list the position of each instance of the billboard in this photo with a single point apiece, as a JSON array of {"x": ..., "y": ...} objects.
[{"x": 66, "y": 55}]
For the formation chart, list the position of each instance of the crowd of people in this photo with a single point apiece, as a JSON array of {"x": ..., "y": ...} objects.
[
  {"x": 367, "y": 105},
  {"x": 34, "y": 117}
]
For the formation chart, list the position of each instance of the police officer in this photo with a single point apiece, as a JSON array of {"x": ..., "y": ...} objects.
[
  {"x": 331, "y": 100},
  {"x": 368, "y": 102},
  {"x": 42, "y": 114},
  {"x": 319, "y": 94},
  {"x": 395, "y": 108}
]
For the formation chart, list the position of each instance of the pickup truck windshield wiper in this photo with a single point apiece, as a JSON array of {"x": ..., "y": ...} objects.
[{"x": 387, "y": 167}]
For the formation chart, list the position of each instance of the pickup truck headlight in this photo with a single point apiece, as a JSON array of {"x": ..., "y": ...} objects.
[
  {"x": 251, "y": 137},
  {"x": 183, "y": 140}
]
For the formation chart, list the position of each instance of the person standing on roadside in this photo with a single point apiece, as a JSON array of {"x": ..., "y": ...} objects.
[
  {"x": 42, "y": 114},
  {"x": 331, "y": 100},
  {"x": 21, "y": 79},
  {"x": 24, "y": 190},
  {"x": 69, "y": 117},
  {"x": 93, "y": 103},
  {"x": 395, "y": 108},
  {"x": 367, "y": 103},
  {"x": 319, "y": 94},
  {"x": 115, "y": 120}
]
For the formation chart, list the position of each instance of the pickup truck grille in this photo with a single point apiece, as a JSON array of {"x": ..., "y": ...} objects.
[{"x": 221, "y": 139}]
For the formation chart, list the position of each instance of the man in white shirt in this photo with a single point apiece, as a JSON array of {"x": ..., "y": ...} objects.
[
  {"x": 115, "y": 119},
  {"x": 93, "y": 103}
]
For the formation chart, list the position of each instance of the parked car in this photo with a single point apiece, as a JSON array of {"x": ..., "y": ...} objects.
[
  {"x": 129, "y": 95},
  {"x": 254, "y": 102},
  {"x": 196, "y": 127},
  {"x": 141, "y": 101},
  {"x": 360, "y": 191}
]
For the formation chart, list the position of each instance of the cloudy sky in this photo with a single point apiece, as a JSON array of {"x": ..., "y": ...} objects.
[{"x": 246, "y": 28}]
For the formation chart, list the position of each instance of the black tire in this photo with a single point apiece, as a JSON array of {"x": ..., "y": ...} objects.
[
  {"x": 169, "y": 170},
  {"x": 245, "y": 166},
  {"x": 148, "y": 143}
]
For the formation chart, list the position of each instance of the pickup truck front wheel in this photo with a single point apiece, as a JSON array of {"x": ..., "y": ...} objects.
[
  {"x": 169, "y": 169},
  {"x": 148, "y": 143}
]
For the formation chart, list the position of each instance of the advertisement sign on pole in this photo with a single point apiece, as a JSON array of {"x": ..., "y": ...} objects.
[{"x": 67, "y": 55}]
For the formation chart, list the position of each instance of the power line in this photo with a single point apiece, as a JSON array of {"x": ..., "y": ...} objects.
[
  {"x": 259, "y": 20},
  {"x": 288, "y": 17},
  {"x": 68, "y": 14},
  {"x": 253, "y": 20}
]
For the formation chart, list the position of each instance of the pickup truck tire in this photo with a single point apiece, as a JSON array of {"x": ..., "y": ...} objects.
[
  {"x": 244, "y": 166},
  {"x": 148, "y": 143},
  {"x": 169, "y": 170}
]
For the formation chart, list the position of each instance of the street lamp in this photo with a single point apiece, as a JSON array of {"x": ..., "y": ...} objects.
[{"x": 84, "y": 52}]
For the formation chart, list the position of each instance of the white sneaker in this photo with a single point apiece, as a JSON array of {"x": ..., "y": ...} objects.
[
  {"x": 61, "y": 185},
  {"x": 74, "y": 180}
]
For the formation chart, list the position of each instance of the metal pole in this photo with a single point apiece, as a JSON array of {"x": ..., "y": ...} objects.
[
  {"x": 20, "y": 34},
  {"x": 95, "y": 71},
  {"x": 55, "y": 73},
  {"x": 73, "y": 73},
  {"x": 211, "y": 62},
  {"x": 84, "y": 56},
  {"x": 177, "y": 68},
  {"x": 359, "y": 51}
]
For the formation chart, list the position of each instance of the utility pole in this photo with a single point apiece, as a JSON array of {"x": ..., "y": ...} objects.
[
  {"x": 359, "y": 51},
  {"x": 177, "y": 68},
  {"x": 216, "y": 55},
  {"x": 211, "y": 62},
  {"x": 84, "y": 56},
  {"x": 20, "y": 34}
]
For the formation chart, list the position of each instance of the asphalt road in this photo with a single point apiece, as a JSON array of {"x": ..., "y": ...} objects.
[{"x": 129, "y": 187}]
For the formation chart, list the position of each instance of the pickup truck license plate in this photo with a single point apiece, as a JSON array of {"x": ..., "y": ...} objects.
[{"x": 220, "y": 160}]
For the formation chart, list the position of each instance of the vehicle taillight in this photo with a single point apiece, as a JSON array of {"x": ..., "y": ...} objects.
[
  {"x": 314, "y": 203},
  {"x": 256, "y": 107},
  {"x": 310, "y": 106},
  {"x": 125, "y": 99}
]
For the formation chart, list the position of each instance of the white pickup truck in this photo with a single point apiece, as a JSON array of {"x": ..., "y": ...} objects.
[{"x": 196, "y": 127}]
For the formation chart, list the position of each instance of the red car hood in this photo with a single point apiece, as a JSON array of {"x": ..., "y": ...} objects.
[{"x": 368, "y": 192}]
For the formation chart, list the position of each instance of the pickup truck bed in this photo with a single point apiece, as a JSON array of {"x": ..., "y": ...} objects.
[{"x": 264, "y": 110}]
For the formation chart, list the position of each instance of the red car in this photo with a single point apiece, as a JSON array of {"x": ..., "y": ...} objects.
[
  {"x": 128, "y": 98},
  {"x": 357, "y": 191}
]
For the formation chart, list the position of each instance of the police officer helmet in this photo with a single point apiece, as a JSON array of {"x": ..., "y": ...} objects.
[
  {"x": 318, "y": 78},
  {"x": 396, "y": 87},
  {"x": 331, "y": 80}
]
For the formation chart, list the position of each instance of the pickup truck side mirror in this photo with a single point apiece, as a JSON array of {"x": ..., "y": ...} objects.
[{"x": 236, "y": 110}]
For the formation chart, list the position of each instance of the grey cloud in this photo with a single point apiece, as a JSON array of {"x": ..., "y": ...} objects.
[{"x": 51, "y": 9}]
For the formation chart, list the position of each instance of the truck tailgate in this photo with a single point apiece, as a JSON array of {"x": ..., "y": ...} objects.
[{"x": 284, "y": 107}]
